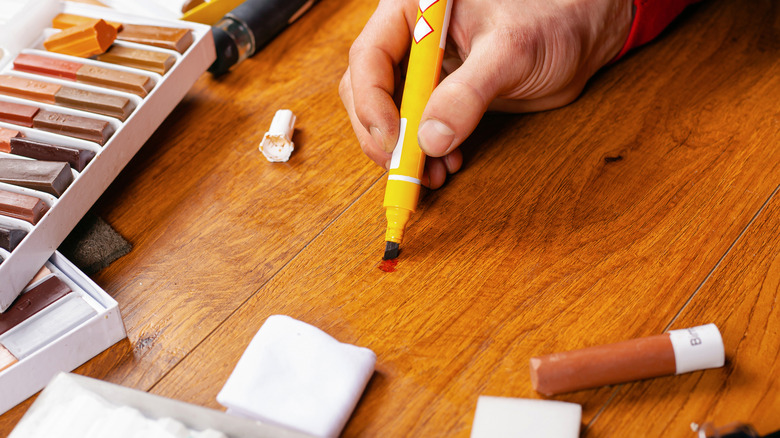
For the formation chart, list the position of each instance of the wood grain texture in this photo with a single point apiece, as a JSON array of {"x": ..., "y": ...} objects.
[
  {"x": 597, "y": 224},
  {"x": 741, "y": 299},
  {"x": 594, "y": 223}
]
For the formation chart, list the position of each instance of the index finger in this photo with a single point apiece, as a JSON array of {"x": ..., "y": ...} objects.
[{"x": 373, "y": 58}]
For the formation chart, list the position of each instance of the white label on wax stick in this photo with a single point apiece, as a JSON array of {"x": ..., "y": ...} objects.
[
  {"x": 395, "y": 162},
  {"x": 697, "y": 348}
]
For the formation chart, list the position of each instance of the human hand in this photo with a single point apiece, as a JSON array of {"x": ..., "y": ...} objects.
[{"x": 503, "y": 55}]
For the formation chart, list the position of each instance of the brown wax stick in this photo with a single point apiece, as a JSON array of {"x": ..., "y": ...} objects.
[
  {"x": 603, "y": 365},
  {"x": 85, "y": 128},
  {"x": 134, "y": 83},
  {"x": 77, "y": 158},
  {"x": 32, "y": 302},
  {"x": 172, "y": 38},
  {"x": 52, "y": 177},
  {"x": 5, "y": 138},
  {"x": 10, "y": 238},
  {"x": 675, "y": 352},
  {"x": 24, "y": 207},
  {"x": 17, "y": 113},
  {"x": 116, "y": 79},
  {"x": 149, "y": 60},
  {"x": 99, "y": 103},
  {"x": 84, "y": 40},
  {"x": 6, "y": 358}
]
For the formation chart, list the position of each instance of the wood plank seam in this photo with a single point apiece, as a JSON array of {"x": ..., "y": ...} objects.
[
  {"x": 271, "y": 277},
  {"x": 761, "y": 209}
]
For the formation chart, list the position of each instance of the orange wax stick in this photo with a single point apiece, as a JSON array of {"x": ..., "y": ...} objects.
[
  {"x": 28, "y": 88},
  {"x": 57, "y": 68},
  {"x": 64, "y": 21},
  {"x": 5, "y": 138},
  {"x": 84, "y": 40},
  {"x": 99, "y": 103},
  {"x": 84, "y": 73},
  {"x": 24, "y": 207},
  {"x": 406, "y": 166},
  {"x": 17, "y": 113}
]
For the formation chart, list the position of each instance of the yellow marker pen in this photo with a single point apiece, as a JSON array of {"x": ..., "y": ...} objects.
[{"x": 422, "y": 76}]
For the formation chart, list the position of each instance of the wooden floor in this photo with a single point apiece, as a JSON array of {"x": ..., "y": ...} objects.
[{"x": 648, "y": 204}]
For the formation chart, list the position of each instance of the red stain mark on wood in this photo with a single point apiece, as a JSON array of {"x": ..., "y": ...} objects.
[{"x": 388, "y": 265}]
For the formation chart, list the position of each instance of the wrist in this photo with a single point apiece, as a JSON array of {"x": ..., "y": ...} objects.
[{"x": 614, "y": 26}]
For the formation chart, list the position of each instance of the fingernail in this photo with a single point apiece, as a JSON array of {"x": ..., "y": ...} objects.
[
  {"x": 376, "y": 134},
  {"x": 435, "y": 137},
  {"x": 387, "y": 164}
]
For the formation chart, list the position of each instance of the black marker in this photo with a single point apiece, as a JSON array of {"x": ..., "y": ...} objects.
[{"x": 250, "y": 26}]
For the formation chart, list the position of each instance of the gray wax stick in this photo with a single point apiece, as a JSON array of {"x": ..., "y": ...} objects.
[
  {"x": 10, "y": 238},
  {"x": 47, "y": 176},
  {"x": 47, "y": 325}
]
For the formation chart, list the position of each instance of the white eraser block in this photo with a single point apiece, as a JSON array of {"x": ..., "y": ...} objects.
[
  {"x": 297, "y": 376},
  {"x": 499, "y": 417}
]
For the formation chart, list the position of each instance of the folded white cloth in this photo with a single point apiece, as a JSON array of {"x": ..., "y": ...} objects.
[
  {"x": 66, "y": 409},
  {"x": 297, "y": 376},
  {"x": 500, "y": 417}
]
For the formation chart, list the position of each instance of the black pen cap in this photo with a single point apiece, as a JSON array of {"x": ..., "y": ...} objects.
[
  {"x": 250, "y": 26},
  {"x": 227, "y": 52}
]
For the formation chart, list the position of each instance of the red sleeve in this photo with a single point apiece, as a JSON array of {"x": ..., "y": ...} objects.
[{"x": 650, "y": 18}]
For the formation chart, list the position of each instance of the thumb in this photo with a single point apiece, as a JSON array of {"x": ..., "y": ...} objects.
[{"x": 457, "y": 105}]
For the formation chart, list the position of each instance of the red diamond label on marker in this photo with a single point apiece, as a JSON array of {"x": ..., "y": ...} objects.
[
  {"x": 422, "y": 30},
  {"x": 425, "y": 4}
]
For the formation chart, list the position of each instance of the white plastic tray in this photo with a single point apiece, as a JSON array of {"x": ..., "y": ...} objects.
[{"x": 21, "y": 30}]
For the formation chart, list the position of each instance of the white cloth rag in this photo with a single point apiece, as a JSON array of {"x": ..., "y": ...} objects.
[{"x": 295, "y": 375}]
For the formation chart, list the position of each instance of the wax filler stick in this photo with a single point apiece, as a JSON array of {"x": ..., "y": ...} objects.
[
  {"x": 17, "y": 113},
  {"x": 52, "y": 177},
  {"x": 149, "y": 60},
  {"x": 249, "y": 27},
  {"x": 25, "y": 147},
  {"x": 11, "y": 238},
  {"x": 84, "y": 40},
  {"x": 32, "y": 302},
  {"x": 47, "y": 325},
  {"x": 65, "y": 21},
  {"x": 171, "y": 38},
  {"x": 49, "y": 92},
  {"x": 84, "y": 73},
  {"x": 675, "y": 352},
  {"x": 24, "y": 207},
  {"x": 406, "y": 166},
  {"x": 5, "y": 138}
]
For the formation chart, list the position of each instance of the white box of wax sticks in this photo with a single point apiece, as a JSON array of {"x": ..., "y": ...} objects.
[
  {"x": 77, "y": 406},
  {"x": 76, "y": 321},
  {"x": 24, "y": 25}
]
